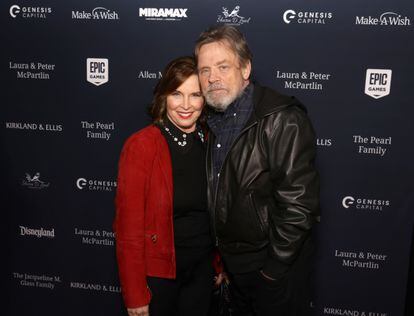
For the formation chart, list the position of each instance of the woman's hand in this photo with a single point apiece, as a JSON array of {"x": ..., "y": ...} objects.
[
  {"x": 139, "y": 311},
  {"x": 220, "y": 278}
]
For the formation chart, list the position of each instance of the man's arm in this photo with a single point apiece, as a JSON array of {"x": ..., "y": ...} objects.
[{"x": 292, "y": 148}]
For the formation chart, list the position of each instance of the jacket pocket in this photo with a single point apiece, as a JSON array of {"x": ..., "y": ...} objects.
[
  {"x": 261, "y": 214},
  {"x": 258, "y": 217}
]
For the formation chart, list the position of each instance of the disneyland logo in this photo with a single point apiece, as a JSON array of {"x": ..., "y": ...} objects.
[
  {"x": 95, "y": 185},
  {"x": 163, "y": 14},
  {"x": 99, "y": 13},
  {"x": 232, "y": 18},
  {"x": 39, "y": 233},
  {"x": 29, "y": 12},
  {"x": 306, "y": 17},
  {"x": 364, "y": 203},
  {"x": 34, "y": 182},
  {"x": 385, "y": 19}
]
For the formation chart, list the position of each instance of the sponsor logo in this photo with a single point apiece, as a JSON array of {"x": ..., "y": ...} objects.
[
  {"x": 95, "y": 287},
  {"x": 324, "y": 142},
  {"x": 95, "y": 237},
  {"x": 306, "y": 17},
  {"x": 35, "y": 126},
  {"x": 163, "y": 14},
  {"x": 365, "y": 203},
  {"x": 306, "y": 80},
  {"x": 232, "y": 18},
  {"x": 34, "y": 182},
  {"x": 361, "y": 260},
  {"x": 98, "y": 130},
  {"x": 39, "y": 281},
  {"x": 341, "y": 311},
  {"x": 99, "y": 13},
  {"x": 17, "y": 11},
  {"x": 145, "y": 74},
  {"x": 372, "y": 145},
  {"x": 95, "y": 185},
  {"x": 97, "y": 71},
  {"x": 32, "y": 70},
  {"x": 378, "y": 82},
  {"x": 385, "y": 19},
  {"x": 39, "y": 233}
]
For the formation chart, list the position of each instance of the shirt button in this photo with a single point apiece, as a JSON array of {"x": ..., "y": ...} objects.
[
  {"x": 234, "y": 114},
  {"x": 218, "y": 145},
  {"x": 218, "y": 174}
]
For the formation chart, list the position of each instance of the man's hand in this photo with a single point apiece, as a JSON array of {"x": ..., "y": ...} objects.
[{"x": 139, "y": 311}]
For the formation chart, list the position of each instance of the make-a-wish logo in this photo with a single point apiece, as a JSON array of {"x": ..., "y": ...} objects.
[
  {"x": 232, "y": 18},
  {"x": 34, "y": 182}
]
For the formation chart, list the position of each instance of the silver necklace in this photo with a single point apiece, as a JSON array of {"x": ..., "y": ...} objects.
[{"x": 182, "y": 142}]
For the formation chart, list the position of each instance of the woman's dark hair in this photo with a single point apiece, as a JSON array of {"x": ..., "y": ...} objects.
[{"x": 174, "y": 75}]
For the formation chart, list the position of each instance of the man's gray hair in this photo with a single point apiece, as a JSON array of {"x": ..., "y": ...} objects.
[{"x": 229, "y": 35}]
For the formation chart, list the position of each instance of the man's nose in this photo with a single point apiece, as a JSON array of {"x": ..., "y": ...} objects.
[{"x": 213, "y": 77}]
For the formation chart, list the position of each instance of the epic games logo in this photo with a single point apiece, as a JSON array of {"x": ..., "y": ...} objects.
[
  {"x": 378, "y": 82},
  {"x": 97, "y": 71}
]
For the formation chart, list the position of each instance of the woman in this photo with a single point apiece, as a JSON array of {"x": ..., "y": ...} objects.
[{"x": 163, "y": 241}]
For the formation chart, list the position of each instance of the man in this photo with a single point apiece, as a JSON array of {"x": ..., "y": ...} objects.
[{"x": 263, "y": 187}]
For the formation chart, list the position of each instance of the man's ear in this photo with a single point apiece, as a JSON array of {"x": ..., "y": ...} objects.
[{"x": 246, "y": 70}]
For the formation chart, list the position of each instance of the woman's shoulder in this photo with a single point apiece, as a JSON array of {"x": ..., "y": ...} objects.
[{"x": 145, "y": 137}]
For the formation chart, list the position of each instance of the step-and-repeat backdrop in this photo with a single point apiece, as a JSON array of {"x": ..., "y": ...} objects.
[{"x": 77, "y": 78}]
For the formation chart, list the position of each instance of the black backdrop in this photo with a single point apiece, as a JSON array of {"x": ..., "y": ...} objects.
[{"x": 77, "y": 77}]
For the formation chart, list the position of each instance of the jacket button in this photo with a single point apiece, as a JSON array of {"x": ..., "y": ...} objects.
[{"x": 154, "y": 238}]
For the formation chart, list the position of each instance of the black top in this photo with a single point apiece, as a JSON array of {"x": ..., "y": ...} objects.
[{"x": 192, "y": 235}]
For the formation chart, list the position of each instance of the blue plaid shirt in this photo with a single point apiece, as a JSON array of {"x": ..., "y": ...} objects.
[{"x": 227, "y": 125}]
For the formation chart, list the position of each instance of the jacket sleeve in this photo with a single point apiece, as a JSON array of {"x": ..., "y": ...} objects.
[
  {"x": 133, "y": 174},
  {"x": 292, "y": 148}
]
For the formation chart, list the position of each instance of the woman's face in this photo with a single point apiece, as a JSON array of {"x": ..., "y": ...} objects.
[{"x": 184, "y": 105}]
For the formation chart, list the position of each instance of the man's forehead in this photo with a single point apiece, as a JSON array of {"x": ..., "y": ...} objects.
[{"x": 217, "y": 51}]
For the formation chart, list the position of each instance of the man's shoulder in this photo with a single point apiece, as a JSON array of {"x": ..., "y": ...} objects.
[{"x": 268, "y": 101}]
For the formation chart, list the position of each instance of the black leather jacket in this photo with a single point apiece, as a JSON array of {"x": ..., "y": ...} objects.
[{"x": 267, "y": 195}]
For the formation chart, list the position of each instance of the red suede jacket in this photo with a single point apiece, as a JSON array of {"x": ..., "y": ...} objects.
[{"x": 144, "y": 215}]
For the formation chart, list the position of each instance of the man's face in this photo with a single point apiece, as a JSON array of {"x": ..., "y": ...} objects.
[{"x": 222, "y": 78}]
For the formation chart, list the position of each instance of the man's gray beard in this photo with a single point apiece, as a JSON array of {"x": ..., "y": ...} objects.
[{"x": 222, "y": 104}]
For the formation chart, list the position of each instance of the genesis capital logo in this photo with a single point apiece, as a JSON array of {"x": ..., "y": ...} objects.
[
  {"x": 288, "y": 16},
  {"x": 306, "y": 17},
  {"x": 347, "y": 201},
  {"x": 29, "y": 12},
  {"x": 378, "y": 82},
  {"x": 14, "y": 10},
  {"x": 95, "y": 185},
  {"x": 365, "y": 203},
  {"x": 97, "y": 71}
]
